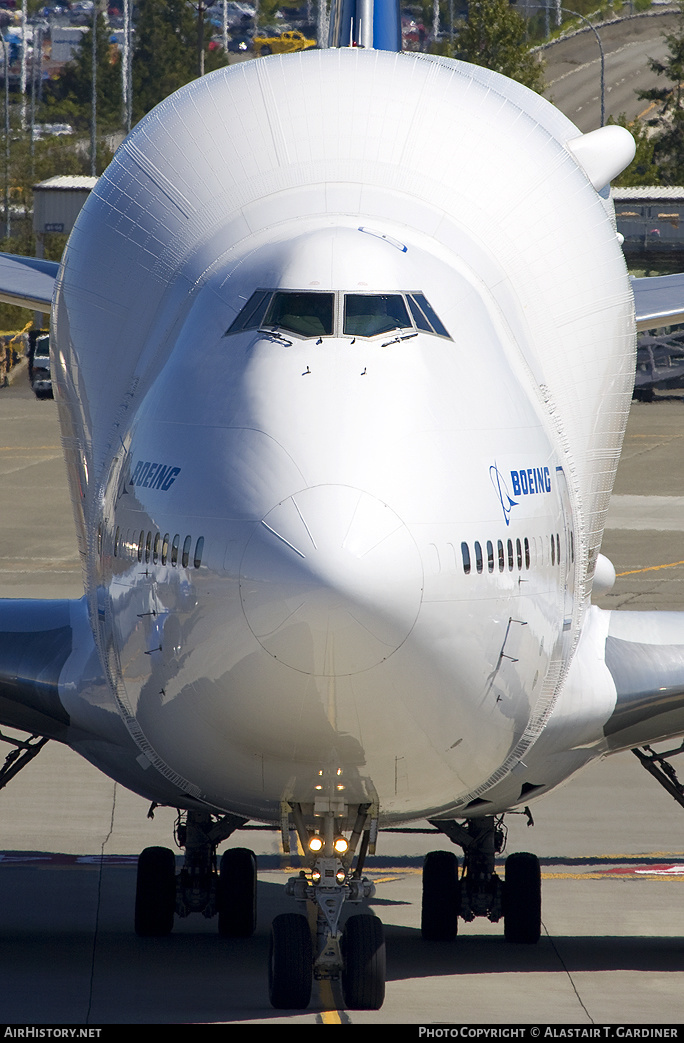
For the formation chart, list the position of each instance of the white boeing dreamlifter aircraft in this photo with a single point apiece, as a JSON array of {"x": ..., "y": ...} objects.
[{"x": 344, "y": 345}]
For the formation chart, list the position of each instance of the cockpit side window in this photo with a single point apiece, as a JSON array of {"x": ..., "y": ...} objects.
[
  {"x": 429, "y": 313},
  {"x": 251, "y": 315},
  {"x": 370, "y": 314},
  {"x": 308, "y": 314},
  {"x": 418, "y": 317}
]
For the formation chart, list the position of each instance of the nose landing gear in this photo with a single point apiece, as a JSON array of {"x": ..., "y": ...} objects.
[{"x": 355, "y": 955}]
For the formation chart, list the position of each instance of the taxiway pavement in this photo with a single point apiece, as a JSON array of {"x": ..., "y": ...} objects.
[{"x": 611, "y": 841}]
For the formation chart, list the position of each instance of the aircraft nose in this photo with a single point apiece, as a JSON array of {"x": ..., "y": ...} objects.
[{"x": 331, "y": 581}]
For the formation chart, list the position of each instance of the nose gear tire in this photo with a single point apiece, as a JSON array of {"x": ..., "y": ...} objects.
[
  {"x": 363, "y": 974},
  {"x": 290, "y": 965}
]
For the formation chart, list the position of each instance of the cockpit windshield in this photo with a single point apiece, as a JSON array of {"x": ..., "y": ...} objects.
[
  {"x": 309, "y": 314},
  {"x": 315, "y": 313},
  {"x": 369, "y": 314}
]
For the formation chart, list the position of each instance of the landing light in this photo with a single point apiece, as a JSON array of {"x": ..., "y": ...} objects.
[
  {"x": 316, "y": 843},
  {"x": 341, "y": 846}
]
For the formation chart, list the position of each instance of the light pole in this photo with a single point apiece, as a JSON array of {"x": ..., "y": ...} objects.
[
  {"x": 126, "y": 69},
  {"x": 201, "y": 7},
  {"x": 576, "y": 14},
  {"x": 8, "y": 227},
  {"x": 23, "y": 77},
  {"x": 594, "y": 30},
  {"x": 93, "y": 117}
]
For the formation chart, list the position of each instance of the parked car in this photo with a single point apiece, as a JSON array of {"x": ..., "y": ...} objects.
[
  {"x": 52, "y": 130},
  {"x": 291, "y": 40},
  {"x": 39, "y": 366}
]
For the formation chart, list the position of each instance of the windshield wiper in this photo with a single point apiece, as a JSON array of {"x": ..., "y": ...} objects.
[
  {"x": 276, "y": 336},
  {"x": 395, "y": 340}
]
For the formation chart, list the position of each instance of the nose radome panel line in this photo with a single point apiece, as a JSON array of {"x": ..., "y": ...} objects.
[
  {"x": 357, "y": 590},
  {"x": 308, "y": 530},
  {"x": 286, "y": 542},
  {"x": 351, "y": 523},
  {"x": 381, "y": 541}
]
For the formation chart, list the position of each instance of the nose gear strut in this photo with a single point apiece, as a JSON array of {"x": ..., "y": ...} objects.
[{"x": 354, "y": 955}]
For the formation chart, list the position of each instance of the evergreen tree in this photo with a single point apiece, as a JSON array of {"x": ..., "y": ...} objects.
[
  {"x": 494, "y": 36},
  {"x": 165, "y": 51},
  {"x": 69, "y": 98},
  {"x": 643, "y": 169},
  {"x": 266, "y": 12},
  {"x": 669, "y": 139}
]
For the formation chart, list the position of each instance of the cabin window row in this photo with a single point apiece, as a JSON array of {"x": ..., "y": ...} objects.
[
  {"x": 524, "y": 553},
  {"x": 159, "y": 549}
]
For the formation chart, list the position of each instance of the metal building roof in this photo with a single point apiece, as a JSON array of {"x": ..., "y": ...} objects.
[
  {"x": 69, "y": 183},
  {"x": 655, "y": 192}
]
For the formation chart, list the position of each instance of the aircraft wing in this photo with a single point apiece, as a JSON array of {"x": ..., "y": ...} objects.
[
  {"x": 644, "y": 653},
  {"x": 659, "y": 301},
  {"x": 36, "y": 637},
  {"x": 27, "y": 281}
]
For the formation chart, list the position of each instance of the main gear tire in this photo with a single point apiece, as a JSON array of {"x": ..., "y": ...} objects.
[
  {"x": 155, "y": 892},
  {"x": 522, "y": 899},
  {"x": 237, "y": 893},
  {"x": 441, "y": 897}
]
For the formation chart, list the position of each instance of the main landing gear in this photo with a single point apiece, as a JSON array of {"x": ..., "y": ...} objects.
[
  {"x": 353, "y": 955},
  {"x": 478, "y": 891},
  {"x": 229, "y": 891}
]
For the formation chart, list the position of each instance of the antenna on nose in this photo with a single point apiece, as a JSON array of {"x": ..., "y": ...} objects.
[{"x": 365, "y": 23}]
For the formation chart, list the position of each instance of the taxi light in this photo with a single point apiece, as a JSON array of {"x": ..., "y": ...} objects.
[
  {"x": 340, "y": 876},
  {"x": 316, "y": 843}
]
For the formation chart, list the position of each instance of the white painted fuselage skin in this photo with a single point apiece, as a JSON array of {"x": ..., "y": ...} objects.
[{"x": 338, "y": 568}]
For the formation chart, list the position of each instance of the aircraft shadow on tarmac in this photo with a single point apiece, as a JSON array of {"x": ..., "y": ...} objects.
[
  {"x": 69, "y": 954},
  {"x": 408, "y": 956}
]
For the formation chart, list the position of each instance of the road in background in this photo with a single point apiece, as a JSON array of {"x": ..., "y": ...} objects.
[
  {"x": 573, "y": 70},
  {"x": 611, "y": 841}
]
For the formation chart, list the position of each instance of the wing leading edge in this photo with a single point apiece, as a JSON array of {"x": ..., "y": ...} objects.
[
  {"x": 27, "y": 281},
  {"x": 36, "y": 639},
  {"x": 659, "y": 301},
  {"x": 644, "y": 653}
]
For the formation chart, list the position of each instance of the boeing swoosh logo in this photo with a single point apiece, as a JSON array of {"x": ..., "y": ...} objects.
[{"x": 501, "y": 489}]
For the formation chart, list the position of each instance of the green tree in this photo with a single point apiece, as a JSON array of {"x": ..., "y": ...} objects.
[
  {"x": 643, "y": 170},
  {"x": 69, "y": 97},
  {"x": 49, "y": 157},
  {"x": 266, "y": 12},
  {"x": 494, "y": 36},
  {"x": 668, "y": 140},
  {"x": 165, "y": 55}
]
